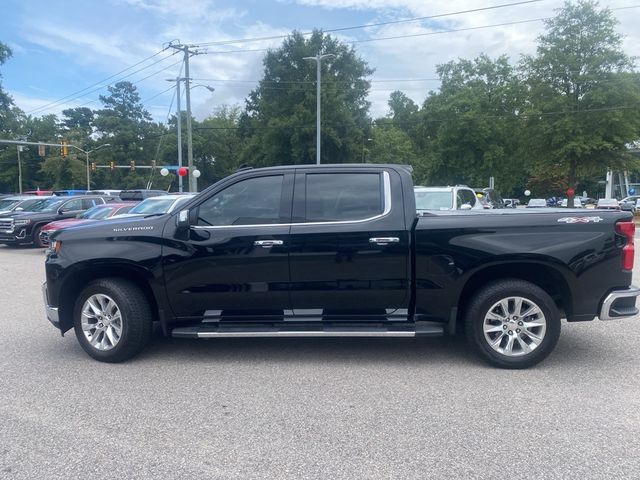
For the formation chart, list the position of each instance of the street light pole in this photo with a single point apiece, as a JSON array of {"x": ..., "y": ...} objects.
[
  {"x": 87, "y": 152},
  {"x": 318, "y": 58},
  {"x": 19, "y": 169}
]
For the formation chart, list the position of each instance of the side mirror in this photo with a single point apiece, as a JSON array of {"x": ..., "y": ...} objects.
[
  {"x": 60, "y": 211},
  {"x": 465, "y": 206},
  {"x": 182, "y": 220}
]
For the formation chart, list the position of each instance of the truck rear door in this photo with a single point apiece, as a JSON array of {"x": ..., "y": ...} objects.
[{"x": 349, "y": 253}]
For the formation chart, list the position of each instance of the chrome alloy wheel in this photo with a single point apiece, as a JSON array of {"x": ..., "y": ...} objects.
[
  {"x": 101, "y": 322},
  {"x": 514, "y": 326}
]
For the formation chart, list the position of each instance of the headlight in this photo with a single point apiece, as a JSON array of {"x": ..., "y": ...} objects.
[
  {"x": 54, "y": 247},
  {"x": 22, "y": 222}
]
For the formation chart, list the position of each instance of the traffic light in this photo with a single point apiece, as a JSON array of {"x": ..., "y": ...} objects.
[
  {"x": 133, "y": 165},
  {"x": 93, "y": 166},
  {"x": 112, "y": 166},
  {"x": 64, "y": 149}
]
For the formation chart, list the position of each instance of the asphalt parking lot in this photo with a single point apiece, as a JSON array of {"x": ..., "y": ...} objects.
[{"x": 308, "y": 408}]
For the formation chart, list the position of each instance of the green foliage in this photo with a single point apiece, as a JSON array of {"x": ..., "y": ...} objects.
[
  {"x": 584, "y": 101},
  {"x": 470, "y": 126},
  {"x": 279, "y": 121},
  {"x": 560, "y": 117}
]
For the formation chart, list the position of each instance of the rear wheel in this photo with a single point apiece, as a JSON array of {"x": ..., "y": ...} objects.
[
  {"x": 513, "y": 324},
  {"x": 112, "y": 320}
]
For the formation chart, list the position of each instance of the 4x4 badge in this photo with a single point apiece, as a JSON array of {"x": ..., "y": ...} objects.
[{"x": 580, "y": 219}]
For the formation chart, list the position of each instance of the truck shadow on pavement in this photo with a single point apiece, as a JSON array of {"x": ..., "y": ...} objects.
[
  {"x": 313, "y": 350},
  {"x": 572, "y": 348}
]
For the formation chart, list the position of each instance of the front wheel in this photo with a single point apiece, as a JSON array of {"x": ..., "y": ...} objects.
[
  {"x": 513, "y": 324},
  {"x": 112, "y": 320}
]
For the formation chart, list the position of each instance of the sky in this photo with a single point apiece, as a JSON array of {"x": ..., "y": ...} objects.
[{"x": 66, "y": 53}]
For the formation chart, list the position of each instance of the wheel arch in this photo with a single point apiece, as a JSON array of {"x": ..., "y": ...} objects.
[
  {"x": 81, "y": 277},
  {"x": 547, "y": 276}
]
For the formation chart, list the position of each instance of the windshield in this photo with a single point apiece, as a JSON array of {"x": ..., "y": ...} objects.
[
  {"x": 49, "y": 205},
  {"x": 8, "y": 204},
  {"x": 96, "y": 213},
  {"x": 537, "y": 202},
  {"x": 149, "y": 206},
  {"x": 434, "y": 200}
]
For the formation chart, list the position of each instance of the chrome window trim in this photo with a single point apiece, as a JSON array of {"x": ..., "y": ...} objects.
[{"x": 386, "y": 181}]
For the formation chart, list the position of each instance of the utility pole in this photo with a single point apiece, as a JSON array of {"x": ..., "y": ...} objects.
[
  {"x": 318, "y": 58},
  {"x": 186, "y": 49},
  {"x": 192, "y": 179},
  {"x": 179, "y": 117}
]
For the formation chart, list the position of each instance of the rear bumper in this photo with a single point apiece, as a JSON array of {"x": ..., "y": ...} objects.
[
  {"x": 52, "y": 312},
  {"x": 620, "y": 304}
]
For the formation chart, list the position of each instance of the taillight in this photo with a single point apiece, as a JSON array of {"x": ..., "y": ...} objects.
[{"x": 628, "y": 229}]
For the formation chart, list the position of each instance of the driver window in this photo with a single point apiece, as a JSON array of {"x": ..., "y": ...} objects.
[
  {"x": 254, "y": 201},
  {"x": 72, "y": 205},
  {"x": 467, "y": 197}
]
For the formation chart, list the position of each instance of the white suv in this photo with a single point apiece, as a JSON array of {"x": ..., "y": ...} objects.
[{"x": 446, "y": 198}]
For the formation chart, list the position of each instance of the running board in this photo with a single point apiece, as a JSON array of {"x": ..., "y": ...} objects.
[{"x": 223, "y": 331}]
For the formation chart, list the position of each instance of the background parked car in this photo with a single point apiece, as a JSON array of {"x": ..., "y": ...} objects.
[
  {"x": 511, "y": 202},
  {"x": 489, "y": 198},
  {"x": 99, "y": 212},
  {"x": 23, "y": 228},
  {"x": 157, "y": 205},
  {"x": 17, "y": 203},
  {"x": 446, "y": 198},
  {"x": 608, "y": 204},
  {"x": 39, "y": 193},
  {"x": 576, "y": 203},
  {"x": 139, "y": 195},
  {"x": 537, "y": 203}
]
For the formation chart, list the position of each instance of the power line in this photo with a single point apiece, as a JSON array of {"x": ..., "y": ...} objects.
[
  {"x": 356, "y": 27},
  {"x": 158, "y": 94},
  {"x": 437, "y": 32},
  {"x": 97, "y": 83},
  {"x": 133, "y": 83}
]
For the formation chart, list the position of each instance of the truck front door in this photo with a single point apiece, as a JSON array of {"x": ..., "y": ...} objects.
[
  {"x": 234, "y": 265},
  {"x": 349, "y": 255}
]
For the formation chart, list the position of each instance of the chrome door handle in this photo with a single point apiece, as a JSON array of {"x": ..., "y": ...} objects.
[
  {"x": 267, "y": 243},
  {"x": 384, "y": 240}
]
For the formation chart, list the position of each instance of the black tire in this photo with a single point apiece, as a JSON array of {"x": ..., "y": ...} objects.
[
  {"x": 136, "y": 317},
  {"x": 482, "y": 304},
  {"x": 36, "y": 238}
]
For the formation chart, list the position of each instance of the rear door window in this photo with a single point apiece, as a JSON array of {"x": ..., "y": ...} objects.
[{"x": 334, "y": 197}]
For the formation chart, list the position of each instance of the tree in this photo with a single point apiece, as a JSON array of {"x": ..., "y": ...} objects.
[
  {"x": 403, "y": 113},
  {"x": 469, "y": 129},
  {"x": 126, "y": 126},
  {"x": 77, "y": 124},
  {"x": 584, "y": 103},
  {"x": 279, "y": 123}
]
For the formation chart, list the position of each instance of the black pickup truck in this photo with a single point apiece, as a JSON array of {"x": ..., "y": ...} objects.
[{"x": 338, "y": 250}]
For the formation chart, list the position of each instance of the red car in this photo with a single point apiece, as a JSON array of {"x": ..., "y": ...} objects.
[{"x": 99, "y": 212}]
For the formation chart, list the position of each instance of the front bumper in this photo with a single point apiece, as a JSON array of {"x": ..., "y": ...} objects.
[
  {"x": 620, "y": 304},
  {"x": 18, "y": 235},
  {"x": 44, "y": 237},
  {"x": 52, "y": 312}
]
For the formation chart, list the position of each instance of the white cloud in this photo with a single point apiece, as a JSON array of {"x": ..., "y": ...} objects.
[{"x": 196, "y": 21}]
